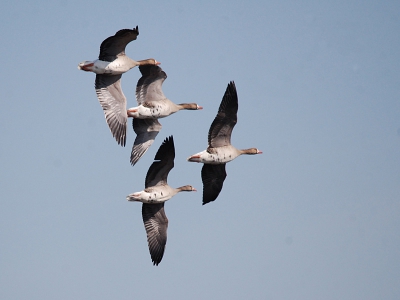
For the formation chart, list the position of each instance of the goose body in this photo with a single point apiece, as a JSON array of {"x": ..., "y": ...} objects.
[
  {"x": 152, "y": 105},
  {"x": 112, "y": 58},
  {"x": 220, "y": 150},
  {"x": 157, "y": 194},
  {"x": 110, "y": 66},
  {"x": 220, "y": 155},
  {"x": 120, "y": 65},
  {"x": 160, "y": 109},
  {"x": 153, "y": 197},
  {"x": 217, "y": 155}
]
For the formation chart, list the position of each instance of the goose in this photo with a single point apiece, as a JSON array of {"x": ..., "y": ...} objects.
[
  {"x": 156, "y": 192},
  {"x": 112, "y": 59},
  {"x": 110, "y": 66},
  {"x": 219, "y": 150},
  {"x": 153, "y": 104}
]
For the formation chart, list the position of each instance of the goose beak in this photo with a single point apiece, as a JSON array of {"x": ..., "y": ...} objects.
[{"x": 199, "y": 107}]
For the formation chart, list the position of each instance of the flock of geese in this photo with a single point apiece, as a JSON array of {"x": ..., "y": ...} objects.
[{"x": 153, "y": 105}]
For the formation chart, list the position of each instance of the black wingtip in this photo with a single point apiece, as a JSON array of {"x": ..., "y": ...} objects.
[
  {"x": 167, "y": 148},
  {"x": 229, "y": 103},
  {"x": 155, "y": 263},
  {"x": 121, "y": 32},
  {"x": 231, "y": 88},
  {"x": 208, "y": 201}
]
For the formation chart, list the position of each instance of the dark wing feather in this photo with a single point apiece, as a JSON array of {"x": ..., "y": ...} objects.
[
  {"x": 156, "y": 224},
  {"x": 113, "y": 101},
  {"x": 146, "y": 130},
  {"x": 115, "y": 45},
  {"x": 158, "y": 171},
  {"x": 149, "y": 86},
  {"x": 221, "y": 128},
  {"x": 213, "y": 177}
]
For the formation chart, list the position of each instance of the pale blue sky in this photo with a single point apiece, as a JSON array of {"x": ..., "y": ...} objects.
[{"x": 316, "y": 216}]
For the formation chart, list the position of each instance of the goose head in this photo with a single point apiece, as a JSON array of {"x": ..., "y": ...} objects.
[
  {"x": 187, "y": 188},
  {"x": 190, "y": 106},
  {"x": 251, "y": 151},
  {"x": 150, "y": 61}
]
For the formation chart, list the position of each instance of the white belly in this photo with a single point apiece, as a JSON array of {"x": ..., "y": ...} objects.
[
  {"x": 220, "y": 156},
  {"x": 115, "y": 67},
  {"x": 156, "y": 112},
  {"x": 153, "y": 196}
]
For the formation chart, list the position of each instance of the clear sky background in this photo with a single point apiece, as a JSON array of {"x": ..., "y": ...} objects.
[{"x": 316, "y": 216}]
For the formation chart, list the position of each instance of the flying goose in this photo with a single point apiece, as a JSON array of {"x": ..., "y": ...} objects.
[
  {"x": 219, "y": 150},
  {"x": 112, "y": 58},
  {"x": 156, "y": 192},
  {"x": 110, "y": 66},
  {"x": 152, "y": 105}
]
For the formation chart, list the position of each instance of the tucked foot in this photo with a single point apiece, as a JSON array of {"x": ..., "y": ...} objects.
[
  {"x": 194, "y": 158},
  {"x": 87, "y": 67},
  {"x": 132, "y": 112},
  {"x": 133, "y": 197}
]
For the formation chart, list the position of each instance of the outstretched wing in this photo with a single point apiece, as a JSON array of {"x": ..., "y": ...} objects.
[
  {"x": 115, "y": 45},
  {"x": 158, "y": 171},
  {"x": 213, "y": 177},
  {"x": 149, "y": 86},
  {"x": 156, "y": 224},
  {"x": 221, "y": 128},
  {"x": 113, "y": 101},
  {"x": 146, "y": 130}
]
